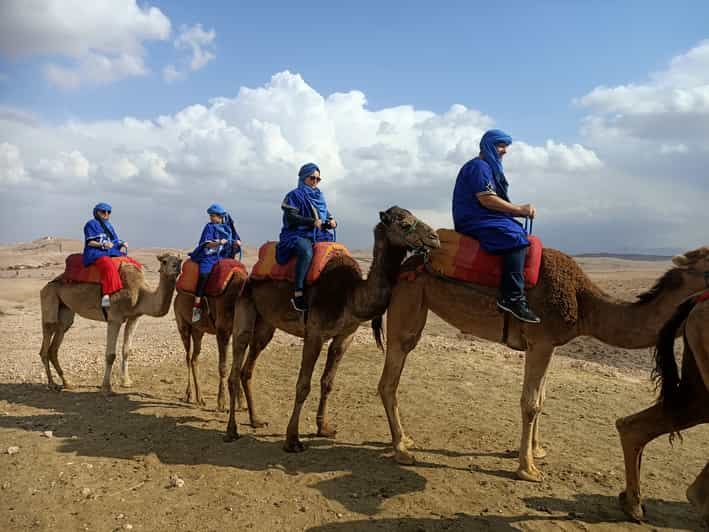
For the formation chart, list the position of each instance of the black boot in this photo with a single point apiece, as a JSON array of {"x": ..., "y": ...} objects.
[
  {"x": 299, "y": 303},
  {"x": 519, "y": 309}
]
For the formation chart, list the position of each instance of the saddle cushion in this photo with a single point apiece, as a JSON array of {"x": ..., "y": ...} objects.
[
  {"x": 268, "y": 268},
  {"x": 703, "y": 296},
  {"x": 76, "y": 272},
  {"x": 461, "y": 257},
  {"x": 219, "y": 277}
]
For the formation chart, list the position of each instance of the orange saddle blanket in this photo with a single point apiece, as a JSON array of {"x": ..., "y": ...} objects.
[
  {"x": 218, "y": 280},
  {"x": 76, "y": 272},
  {"x": 268, "y": 268},
  {"x": 461, "y": 257}
]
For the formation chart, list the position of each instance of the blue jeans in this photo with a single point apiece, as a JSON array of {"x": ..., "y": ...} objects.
[
  {"x": 512, "y": 285},
  {"x": 304, "y": 257}
]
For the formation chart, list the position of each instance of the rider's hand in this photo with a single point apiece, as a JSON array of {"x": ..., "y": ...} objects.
[
  {"x": 223, "y": 241},
  {"x": 332, "y": 223},
  {"x": 318, "y": 224},
  {"x": 237, "y": 243},
  {"x": 528, "y": 210},
  {"x": 212, "y": 244},
  {"x": 108, "y": 244}
]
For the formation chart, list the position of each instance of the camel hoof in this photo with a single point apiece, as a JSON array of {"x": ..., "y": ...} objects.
[
  {"x": 404, "y": 458},
  {"x": 68, "y": 386},
  {"x": 530, "y": 475},
  {"x": 408, "y": 441},
  {"x": 295, "y": 446},
  {"x": 127, "y": 384},
  {"x": 635, "y": 511},
  {"x": 258, "y": 424},
  {"x": 107, "y": 391},
  {"x": 326, "y": 432},
  {"x": 539, "y": 452},
  {"x": 54, "y": 387},
  {"x": 221, "y": 407},
  {"x": 230, "y": 437},
  {"x": 186, "y": 399}
]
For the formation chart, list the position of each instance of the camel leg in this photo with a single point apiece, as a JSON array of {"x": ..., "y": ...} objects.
[
  {"x": 128, "y": 331},
  {"x": 197, "y": 336},
  {"x": 263, "y": 333},
  {"x": 312, "y": 346},
  {"x": 48, "y": 331},
  {"x": 244, "y": 323},
  {"x": 185, "y": 331},
  {"x": 535, "y": 368},
  {"x": 636, "y": 431},
  {"x": 66, "y": 320},
  {"x": 698, "y": 494},
  {"x": 537, "y": 450},
  {"x": 114, "y": 328},
  {"x": 404, "y": 334},
  {"x": 335, "y": 352},
  {"x": 222, "y": 345}
]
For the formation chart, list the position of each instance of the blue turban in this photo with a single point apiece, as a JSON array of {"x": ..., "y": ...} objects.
[
  {"x": 488, "y": 147},
  {"x": 307, "y": 170},
  {"x": 217, "y": 209},
  {"x": 102, "y": 207}
]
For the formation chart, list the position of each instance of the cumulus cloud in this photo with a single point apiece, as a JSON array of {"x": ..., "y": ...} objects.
[
  {"x": 12, "y": 167},
  {"x": 244, "y": 151},
  {"x": 201, "y": 45},
  {"x": 100, "y": 41}
]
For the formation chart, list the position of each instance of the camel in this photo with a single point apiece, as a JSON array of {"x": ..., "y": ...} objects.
[
  {"x": 218, "y": 321},
  {"x": 570, "y": 305},
  {"x": 339, "y": 302},
  {"x": 61, "y": 301},
  {"x": 683, "y": 403}
]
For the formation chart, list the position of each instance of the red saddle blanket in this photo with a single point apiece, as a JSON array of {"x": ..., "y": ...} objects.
[
  {"x": 461, "y": 257},
  {"x": 219, "y": 277},
  {"x": 268, "y": 268},
  {"x": 76, "y": 272},
  {"x": 703, "y": 297}
]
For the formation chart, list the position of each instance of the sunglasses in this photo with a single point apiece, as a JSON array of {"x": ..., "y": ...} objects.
[
  {"x": 315, "y": 178},
  {"x": 104, "y": 212}
]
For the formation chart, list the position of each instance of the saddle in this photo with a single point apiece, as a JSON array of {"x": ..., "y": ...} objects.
[
  {"x": 76, "y": 272},
  {"x": 219, "y": 278},
  {"x": 267, "y": 268}
]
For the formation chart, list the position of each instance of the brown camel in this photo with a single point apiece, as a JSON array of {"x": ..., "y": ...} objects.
[
  {"x": 683, "y": 403},
  {"x": 219, "y": 320},
  {"x": 570, "y": 305},
  {"x": 60, "y": 301},
  {"x": 339, "y": 302}
]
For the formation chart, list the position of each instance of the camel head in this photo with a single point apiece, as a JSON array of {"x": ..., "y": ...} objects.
[
  {"x": 170, "y": 264},
  {"x": 403, "y": 229},
  {"x": 694, "y": 266}
]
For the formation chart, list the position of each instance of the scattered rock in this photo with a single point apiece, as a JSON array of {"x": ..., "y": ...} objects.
[
  {"x": 48, "y": 434},
  {"x": 13, "y": 450},
  {"x": 86, "y": 492},
  {"x": 176, "y": 482},
  {"x": 128, "y": 526}
]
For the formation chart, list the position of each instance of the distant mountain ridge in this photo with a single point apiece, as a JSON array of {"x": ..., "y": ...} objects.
[{"x": 625, "y": 256}]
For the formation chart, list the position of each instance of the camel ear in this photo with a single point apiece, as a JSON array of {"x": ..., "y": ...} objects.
[
  {"x": 680, "y": 260},
  {"x": 162, "y": 257},
  {"x": 384, "y": 217}
]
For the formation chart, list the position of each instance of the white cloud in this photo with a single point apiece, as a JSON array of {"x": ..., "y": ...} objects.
[
  {"x": 245, "y": 151},
  {"x": 101, "y": 41},
  {"x": 12, "y": 168},
  {"x": 201, "y": 45}
]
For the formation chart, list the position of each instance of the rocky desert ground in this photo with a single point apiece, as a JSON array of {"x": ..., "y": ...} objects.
[{"x": 144, "y": 460}]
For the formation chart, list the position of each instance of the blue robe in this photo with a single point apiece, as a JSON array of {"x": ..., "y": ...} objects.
[
  {"x": 93, "y": 231},
  {"x": 289, "y": 234},
  {"x": 498, "y": 232},
  {"x": 207, "y": 257}
]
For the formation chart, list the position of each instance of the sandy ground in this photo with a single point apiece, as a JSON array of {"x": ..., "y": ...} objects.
[{"x": 109, "y": 460}]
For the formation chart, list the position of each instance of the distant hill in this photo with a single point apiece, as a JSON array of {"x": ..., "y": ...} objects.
[{"x": 625, "y": 256}]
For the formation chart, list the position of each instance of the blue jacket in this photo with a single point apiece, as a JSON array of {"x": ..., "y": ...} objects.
[{"x": 94, "y": 231}]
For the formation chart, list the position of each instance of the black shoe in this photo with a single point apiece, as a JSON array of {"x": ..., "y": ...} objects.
[
  {"x": 519, "y": 310},
  {"x": 299, "y": 303}
]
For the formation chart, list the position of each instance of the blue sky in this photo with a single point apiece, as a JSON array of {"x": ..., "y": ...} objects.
[{"x": 523, "y": 64}]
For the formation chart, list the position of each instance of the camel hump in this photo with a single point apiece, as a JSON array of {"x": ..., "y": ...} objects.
[
  {"x": 326, "y": 256},
  {"x": 462, "y": 258},
  {"x": 76, "y": 272},
  {"x": 219, "y": 278}
]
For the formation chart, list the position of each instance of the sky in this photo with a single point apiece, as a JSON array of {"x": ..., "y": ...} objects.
[{"x": 162, "y": 108}]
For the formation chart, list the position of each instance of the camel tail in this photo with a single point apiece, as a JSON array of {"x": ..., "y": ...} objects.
[
  {"x": 666, "y": 373},
  {"x": 378, "y": 330}
]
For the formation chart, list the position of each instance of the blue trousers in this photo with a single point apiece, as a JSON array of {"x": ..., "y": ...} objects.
[
  {"x": 512, "y": 285},
  {"x": 304, "y": 258}
]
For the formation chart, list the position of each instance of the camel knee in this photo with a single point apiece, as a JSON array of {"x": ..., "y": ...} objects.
[
  {"x": 530, "y": 410},
  {"x": 409, "y": 342},
  {"x": 110, "y": 358},
  {"x": 302, "y": 392}
]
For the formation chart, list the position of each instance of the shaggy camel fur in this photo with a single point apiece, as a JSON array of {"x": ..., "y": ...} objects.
[
  {"x": 569, "y": 304},
  {"x": 219, "y": 321},
  {"x": 683, "y": 403},
  {"x": 339, "y": 302},
  {"x": 60, "y": 301}
]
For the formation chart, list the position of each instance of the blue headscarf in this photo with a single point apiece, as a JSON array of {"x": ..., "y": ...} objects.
[
  {"x": 105, "y": 224},
  {"x": 227, "y": 221},
  {"x": 314, "y": 195},
  {"x": 488, "y": 147},
  {"x": 102, "y": 207}
]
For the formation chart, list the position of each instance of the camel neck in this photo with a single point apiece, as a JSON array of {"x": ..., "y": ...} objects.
[
  {"x": 371, "y": 296},
  {"x": 157, "y": 302},
  {"x": 625, "y": 324}
]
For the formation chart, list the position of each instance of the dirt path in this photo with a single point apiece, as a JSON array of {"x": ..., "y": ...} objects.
[{"x": 109, "y": 461}]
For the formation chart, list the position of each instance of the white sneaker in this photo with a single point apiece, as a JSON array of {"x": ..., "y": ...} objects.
[
  {"x": 196, "y": 314},
  {"x": 106, "y": 301}
]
